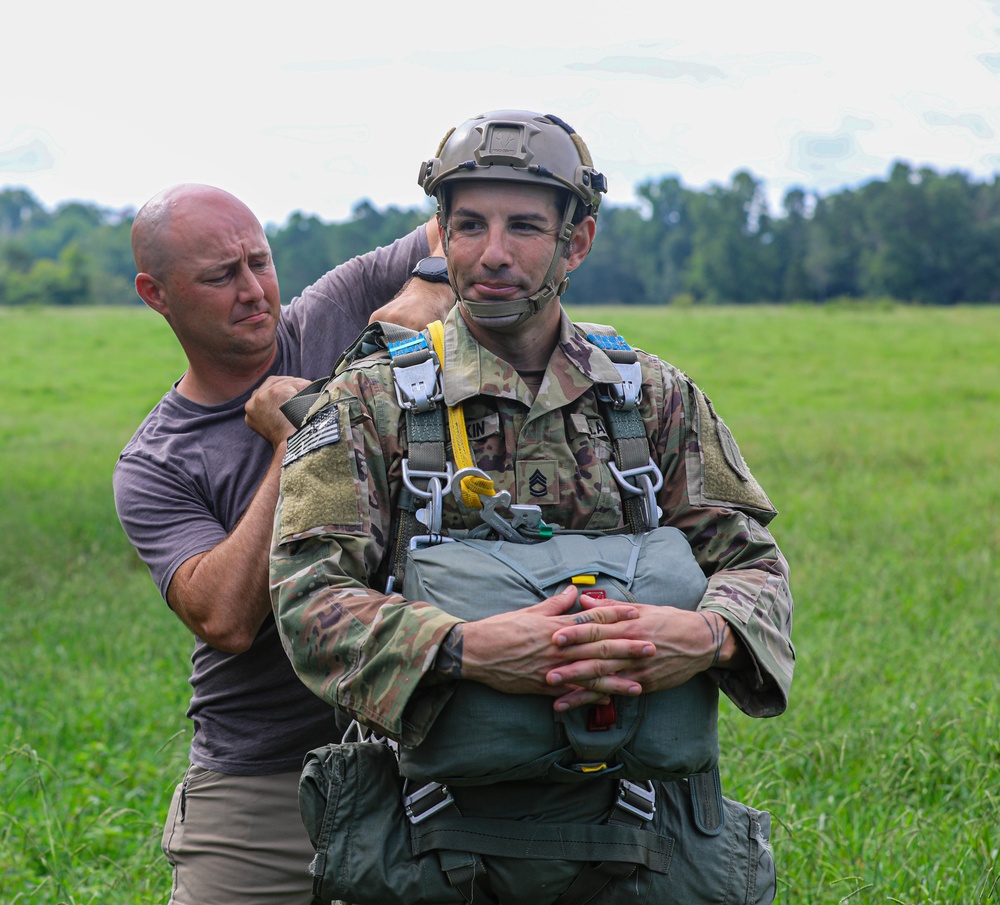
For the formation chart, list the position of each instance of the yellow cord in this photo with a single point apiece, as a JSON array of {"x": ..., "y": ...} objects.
[{"x": 471, "y": 486}]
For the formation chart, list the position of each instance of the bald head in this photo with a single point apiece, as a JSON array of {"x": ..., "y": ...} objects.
[
  {"x": 205, "y": 265},
  {"x": 155, "y": 228}
]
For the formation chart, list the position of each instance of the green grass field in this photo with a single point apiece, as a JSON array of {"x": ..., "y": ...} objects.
[{"x": 876, "y": 431}]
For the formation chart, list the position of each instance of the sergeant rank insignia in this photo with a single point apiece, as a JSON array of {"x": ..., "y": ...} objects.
[
  {"x": 323, "y": 430},
  {"x": 538, "y": 484}
]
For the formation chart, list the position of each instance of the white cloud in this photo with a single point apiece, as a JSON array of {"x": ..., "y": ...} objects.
[{"x": 309, "y": 107}]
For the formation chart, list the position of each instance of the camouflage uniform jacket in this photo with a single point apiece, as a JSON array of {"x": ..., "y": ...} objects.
[{"x": 368, "y": 652}]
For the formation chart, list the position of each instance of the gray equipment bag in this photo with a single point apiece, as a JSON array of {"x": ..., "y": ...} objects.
[
  {"x": 484, "y": 736},
  {"x": 371, "y": 852}
]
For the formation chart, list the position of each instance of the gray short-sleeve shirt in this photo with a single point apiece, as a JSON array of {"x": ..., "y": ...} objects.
[{"x": 183, "y": 482}]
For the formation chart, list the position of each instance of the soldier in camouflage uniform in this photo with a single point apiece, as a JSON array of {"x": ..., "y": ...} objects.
[{"x": 526, "y": 376}]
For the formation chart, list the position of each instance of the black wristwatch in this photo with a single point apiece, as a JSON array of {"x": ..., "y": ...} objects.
[{"x": 432, "y": 269}]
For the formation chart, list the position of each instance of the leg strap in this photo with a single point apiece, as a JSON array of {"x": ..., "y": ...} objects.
[
  {"x": 459, "y": 842},
  {"x": 467, "y": 873},
  {"x": 464, "y": 870},
  {"x": 635, "y": 806}
]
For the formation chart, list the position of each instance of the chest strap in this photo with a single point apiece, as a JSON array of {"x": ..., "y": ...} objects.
[
  {"x": 634, "y": 469},
  {"x": 427, "y": 472}
]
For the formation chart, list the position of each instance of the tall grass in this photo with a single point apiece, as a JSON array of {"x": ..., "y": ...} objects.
[
  {"x": 93, "y": 671},
  {"x": 874, "y": 430},
  {"x": 877, "y": 434}
]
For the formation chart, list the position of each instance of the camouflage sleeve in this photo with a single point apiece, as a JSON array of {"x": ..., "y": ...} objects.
[
  {"x": 709, "y": 493},
  {"x": 356, "y": 648}
]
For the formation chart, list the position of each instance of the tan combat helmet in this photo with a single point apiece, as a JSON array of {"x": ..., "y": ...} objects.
[{"x": 522, "y": 147}]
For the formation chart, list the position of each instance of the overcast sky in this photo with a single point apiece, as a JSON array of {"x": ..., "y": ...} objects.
[{"x": 314, "y": 106}]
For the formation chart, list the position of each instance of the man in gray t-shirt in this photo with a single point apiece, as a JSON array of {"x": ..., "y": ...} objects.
[{"x": 195, "y": 490}]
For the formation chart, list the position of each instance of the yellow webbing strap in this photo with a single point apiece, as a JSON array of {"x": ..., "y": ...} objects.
[{"x": 471, "y": 486}]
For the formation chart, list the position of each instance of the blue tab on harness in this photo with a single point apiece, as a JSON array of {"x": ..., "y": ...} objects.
[
  {"x": 405, "y": 346},
  {"x": 612, "y": 343}
]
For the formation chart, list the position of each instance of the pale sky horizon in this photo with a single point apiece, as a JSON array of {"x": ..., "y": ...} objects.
[{"x": 303, "y": 107}]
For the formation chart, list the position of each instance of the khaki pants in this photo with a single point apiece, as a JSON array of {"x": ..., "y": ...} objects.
[{"x": 237, "y": 839}]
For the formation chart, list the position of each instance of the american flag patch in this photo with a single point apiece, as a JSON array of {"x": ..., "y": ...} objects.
[{"x": 323, "y": 430}]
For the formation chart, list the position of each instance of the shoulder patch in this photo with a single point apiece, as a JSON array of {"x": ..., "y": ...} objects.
[
  {"x": 319, "y": 483},
  {"x": 320, "y": 431},
  {"x": 725, "y": 478}
]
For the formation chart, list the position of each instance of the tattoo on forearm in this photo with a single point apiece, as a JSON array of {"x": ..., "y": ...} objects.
[
  {"x": 717, "y": 628},
  {"x": 449, "y": 657}
]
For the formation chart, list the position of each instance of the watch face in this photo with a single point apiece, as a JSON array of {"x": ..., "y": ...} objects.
[{"x": 434, "y": 270}]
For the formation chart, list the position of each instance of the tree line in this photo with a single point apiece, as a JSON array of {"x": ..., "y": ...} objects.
[{"x": 915, "y": 236}]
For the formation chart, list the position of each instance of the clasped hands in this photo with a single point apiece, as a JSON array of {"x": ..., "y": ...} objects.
[{"x": 608, "y": 648}]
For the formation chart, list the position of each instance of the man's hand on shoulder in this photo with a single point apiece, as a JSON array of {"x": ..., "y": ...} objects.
[
  {"x": 263, "y": 409},
  {"x": 417, "y": 304}
]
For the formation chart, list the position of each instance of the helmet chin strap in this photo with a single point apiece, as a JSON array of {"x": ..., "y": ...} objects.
[{"x": 497, "y": 315}]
